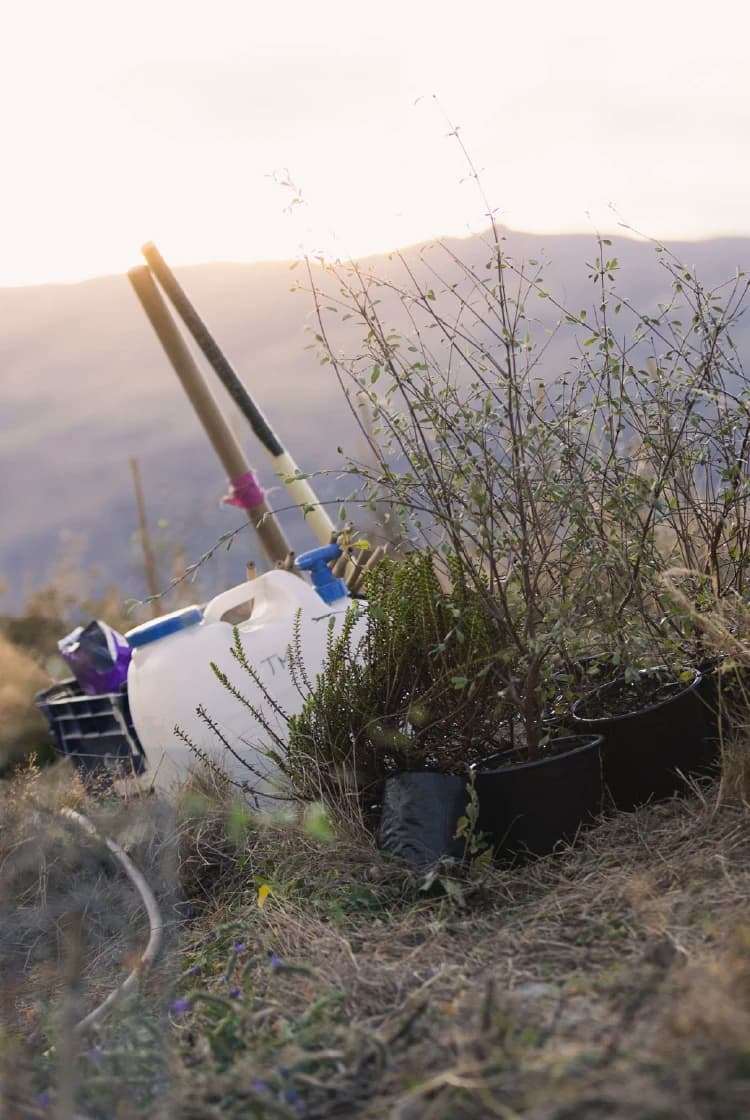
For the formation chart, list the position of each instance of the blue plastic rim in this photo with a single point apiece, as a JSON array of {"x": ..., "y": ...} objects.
[{"x": 172, "y": 623}]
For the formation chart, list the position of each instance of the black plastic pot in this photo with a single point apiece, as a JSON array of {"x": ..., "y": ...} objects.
[
  {"x": 420, "y": 815},
  {"x": 527, "y": 808},
  {"x": 586, "y": 674},
  {"x": 644, "y": 749}
]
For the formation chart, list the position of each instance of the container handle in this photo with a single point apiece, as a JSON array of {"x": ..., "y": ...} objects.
[
  {"x": 273, "y": 589},
  {"x": 224, "y": 602}
]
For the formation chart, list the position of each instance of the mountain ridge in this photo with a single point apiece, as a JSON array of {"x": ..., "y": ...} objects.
[{"x": 85, "y": 386}]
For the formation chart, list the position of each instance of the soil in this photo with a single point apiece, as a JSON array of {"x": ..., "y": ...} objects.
[
  {"x": 589, "y": 672},
  {"x": 517, "y": 755},
  {"x": 622, "y": 698}
]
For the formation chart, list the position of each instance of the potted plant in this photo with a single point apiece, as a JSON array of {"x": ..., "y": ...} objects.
[
  {"x": 469, "y": 458},
  {"x": 389, "y": 720},
  {"x": 416, "y": 710},
  {"x": 653, "y": 730},
  {"x": 669, "y": 401},
  {"x": 562, "y": 500}
]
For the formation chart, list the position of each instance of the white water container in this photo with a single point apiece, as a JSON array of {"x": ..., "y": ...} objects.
[{"x": 170, "y": 675}]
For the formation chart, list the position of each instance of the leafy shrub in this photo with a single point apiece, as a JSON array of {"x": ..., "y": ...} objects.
[
  {"x": 420, "y": 690},
  {"x": 562, "y": 493}
]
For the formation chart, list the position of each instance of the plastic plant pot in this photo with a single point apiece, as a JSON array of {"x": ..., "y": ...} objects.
[
  {"x": 585, "y": 675},
  {"x": 528, "y": 808},
  {"x": 420, "y": 815},
  {"x": 647, "y": 750}
]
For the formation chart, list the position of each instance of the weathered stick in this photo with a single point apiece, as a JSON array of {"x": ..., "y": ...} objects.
[
  {"x": 374, "y": 558},
  {"x": 149, "y": 563}
]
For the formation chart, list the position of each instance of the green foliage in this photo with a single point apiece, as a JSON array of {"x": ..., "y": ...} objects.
[
  {"x": 468, "y": 826},
  {"x": 420, "y": 690}
]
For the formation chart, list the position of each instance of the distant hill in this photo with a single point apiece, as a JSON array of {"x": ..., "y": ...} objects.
[{"x": 84, "y": 385}]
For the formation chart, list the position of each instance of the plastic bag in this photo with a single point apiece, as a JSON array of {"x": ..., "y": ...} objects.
[
  {"x": 420, "y": 816},
  {"x": 98, "y": 656}
]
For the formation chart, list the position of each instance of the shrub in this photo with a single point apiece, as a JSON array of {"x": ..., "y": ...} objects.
[
  {"x": 420, "y": 690},
  {"x": 562, "y": 494}
]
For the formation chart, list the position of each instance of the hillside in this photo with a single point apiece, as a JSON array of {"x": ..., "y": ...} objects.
[{"x": 85, "y": 386}]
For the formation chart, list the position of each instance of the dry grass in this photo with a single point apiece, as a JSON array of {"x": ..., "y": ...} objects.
[
  {"x": 617, "y": 974},
  {"x": 21, "y": 677},
  {"x": 612, "y": 980}
]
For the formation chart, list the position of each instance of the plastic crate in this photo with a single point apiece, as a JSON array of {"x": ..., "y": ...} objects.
[{"x": 96, "y": 732}]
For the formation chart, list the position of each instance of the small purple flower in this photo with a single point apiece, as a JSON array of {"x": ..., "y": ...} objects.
[
  {"x": 180, "y": 1006},
  {"x": 235, "y": 993},
  {"x": 239, "y": 946},
  {"x": 275, "y": 962},
  {"x": 42, "y": 1100},
  {"x": 259, "y": 1086},
  {"x": 194, "y": 970}
]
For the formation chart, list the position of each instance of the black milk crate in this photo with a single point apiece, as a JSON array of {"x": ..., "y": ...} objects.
[{"x": 96, "y": 732}]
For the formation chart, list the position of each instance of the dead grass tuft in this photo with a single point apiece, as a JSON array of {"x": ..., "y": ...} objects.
[{"x": 21, "y": 726}]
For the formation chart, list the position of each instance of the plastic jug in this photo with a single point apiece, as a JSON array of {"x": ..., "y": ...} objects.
[{"x": 170, "y": 675}]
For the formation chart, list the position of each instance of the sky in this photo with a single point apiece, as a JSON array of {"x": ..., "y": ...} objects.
[{"x": 179, "y": 122}]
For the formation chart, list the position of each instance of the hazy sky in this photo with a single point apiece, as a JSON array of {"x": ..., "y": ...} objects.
[{"x": 170, "y": 120}]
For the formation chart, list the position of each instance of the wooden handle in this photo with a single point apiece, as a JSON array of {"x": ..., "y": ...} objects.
[{"x": 224, "y": 443}]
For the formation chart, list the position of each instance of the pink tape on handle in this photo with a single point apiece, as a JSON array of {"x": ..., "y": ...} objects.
[{"x": 245, "y": 492}]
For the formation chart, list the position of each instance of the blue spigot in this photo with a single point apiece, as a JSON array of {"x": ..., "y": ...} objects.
[{"x": 316, "y": 561}]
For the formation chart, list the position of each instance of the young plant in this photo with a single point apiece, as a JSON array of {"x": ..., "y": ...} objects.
[{"x": 421, "y": 690}]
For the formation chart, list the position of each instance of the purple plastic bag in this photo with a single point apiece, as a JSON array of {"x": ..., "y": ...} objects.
[{"x": 98, "y": 656}]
